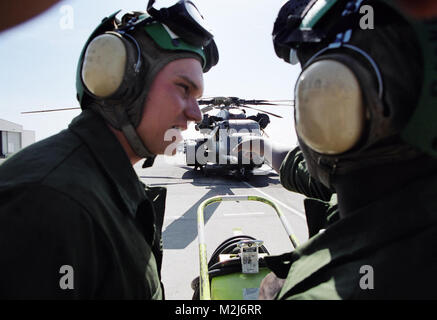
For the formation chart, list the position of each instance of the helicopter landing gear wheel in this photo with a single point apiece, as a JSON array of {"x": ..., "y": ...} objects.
[
  {"x": 204, "y": 170},
  {"x": 248, "y": 174},
  {"x": 242, "y": 171}
]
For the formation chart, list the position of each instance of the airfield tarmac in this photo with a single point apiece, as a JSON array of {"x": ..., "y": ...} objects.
[{"x": 187, "y": 188}]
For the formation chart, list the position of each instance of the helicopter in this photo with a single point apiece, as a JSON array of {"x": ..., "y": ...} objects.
[{"x": 223, "y": 131}]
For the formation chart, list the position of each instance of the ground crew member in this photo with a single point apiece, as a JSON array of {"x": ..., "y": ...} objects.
[
  {"x": 75, "y": 220},
  {"x": 365, "y": 120}
]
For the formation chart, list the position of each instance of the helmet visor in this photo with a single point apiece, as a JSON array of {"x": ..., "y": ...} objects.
[{"x": 185, "y": 20}]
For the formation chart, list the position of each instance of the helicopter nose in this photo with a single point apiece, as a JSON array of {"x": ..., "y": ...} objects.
[{"x": 193, "y": 112}]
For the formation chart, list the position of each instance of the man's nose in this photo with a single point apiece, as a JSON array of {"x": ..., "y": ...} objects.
[{"x": 193, "y": 112}]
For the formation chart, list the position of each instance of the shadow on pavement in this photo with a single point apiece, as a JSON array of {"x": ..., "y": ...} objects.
[{"x": 181, "y": 232}]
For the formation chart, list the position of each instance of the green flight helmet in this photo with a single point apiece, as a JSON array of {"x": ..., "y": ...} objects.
[
  {"x": 119, "y": 62},
  {"x": 296, "y": 28}
]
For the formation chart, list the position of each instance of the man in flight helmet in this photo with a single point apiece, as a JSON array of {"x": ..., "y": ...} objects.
[
  {"x": 75, "y": 220},
  {"x": 365, "y": 120}
]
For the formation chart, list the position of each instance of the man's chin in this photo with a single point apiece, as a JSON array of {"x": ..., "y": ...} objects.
[
  {"x": 170, "y": 153},
  {"x": 172, "y": 138},
  {"x": 170, "y": 149}
]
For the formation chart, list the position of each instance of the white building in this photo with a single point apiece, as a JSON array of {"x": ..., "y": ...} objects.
[{"x": 13, "y": 138}]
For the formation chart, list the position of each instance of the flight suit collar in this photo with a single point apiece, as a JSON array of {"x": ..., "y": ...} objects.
[
  {"x": 109, "y": 153},
  {"x": 398, "y": 215}
]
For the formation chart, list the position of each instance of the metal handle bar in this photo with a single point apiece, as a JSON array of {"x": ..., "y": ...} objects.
[{"x": 205, "y": 293}]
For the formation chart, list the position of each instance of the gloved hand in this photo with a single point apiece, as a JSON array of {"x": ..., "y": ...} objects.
[{"x": 270, "y": 287}]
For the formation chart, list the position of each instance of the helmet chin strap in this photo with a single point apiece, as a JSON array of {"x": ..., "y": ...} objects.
[
  {"x": 120, "y": 121},
  {"x": 137, "y": 145},
  {"x": 132, "y": 136},
  {"x": 135, "y": 142}
]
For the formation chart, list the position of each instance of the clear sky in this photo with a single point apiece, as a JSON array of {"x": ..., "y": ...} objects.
[{"x": 38, "y": 60}]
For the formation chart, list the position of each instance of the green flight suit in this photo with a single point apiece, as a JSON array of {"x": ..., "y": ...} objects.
[
  {"x": 385, "y": 250},
  {"x": 76, "y": 222}
]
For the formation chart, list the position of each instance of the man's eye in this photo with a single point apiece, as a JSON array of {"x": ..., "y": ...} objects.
[{"x": 184, "y": 87}]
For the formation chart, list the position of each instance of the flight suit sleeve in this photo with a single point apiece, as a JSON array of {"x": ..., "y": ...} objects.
[
  {"x": 294, "y": 176},
  {"x": 48, "y": 245}
]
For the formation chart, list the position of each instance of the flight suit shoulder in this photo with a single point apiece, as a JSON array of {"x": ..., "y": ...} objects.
[
  {"x": 37, "y": 161},
  {"x": 45, "y": 235}
]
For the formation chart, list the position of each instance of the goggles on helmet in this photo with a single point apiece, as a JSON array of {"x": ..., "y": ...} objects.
[
  {"x": 296, "y": 24},
  {"x": 180, "y": 27},
  {"x": 185, "y": 20}
]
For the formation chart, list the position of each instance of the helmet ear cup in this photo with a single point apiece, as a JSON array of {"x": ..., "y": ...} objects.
[
  {"x": 109, "y": 67},
  {"x": 104, "y": 65},
  {"x": 330, "y": 113}
]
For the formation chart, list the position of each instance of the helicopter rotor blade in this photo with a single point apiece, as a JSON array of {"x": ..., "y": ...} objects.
[
  {"x": 207, "y": 108},
  {"x": 204, "y": 101},
  {"x": 253, "y": 101},
  {"x": 285, "y": 101},
  {"x": 269, "y": 102},
  {"x": 49, "y": 110},
  {"x": 235, "y": 101},
  {"x": 263, "y": 111},
  {"x": 216, "y": 101}
]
